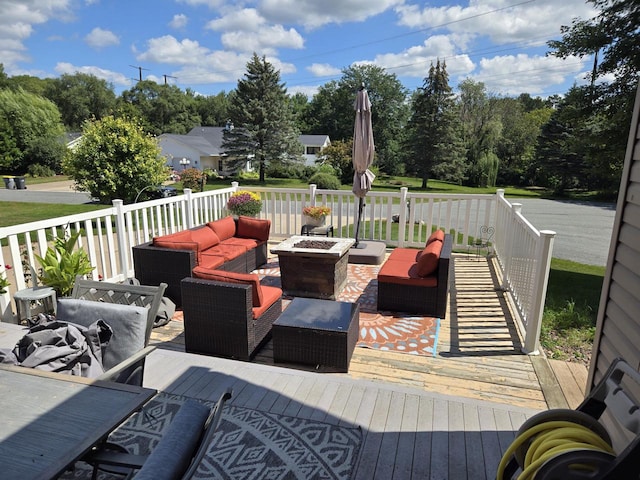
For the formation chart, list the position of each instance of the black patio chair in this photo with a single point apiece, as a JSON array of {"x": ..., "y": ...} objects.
[{"x": 178, "y": 453}]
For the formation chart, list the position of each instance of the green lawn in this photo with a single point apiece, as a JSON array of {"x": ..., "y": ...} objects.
[{"x": 573, "y": 292}]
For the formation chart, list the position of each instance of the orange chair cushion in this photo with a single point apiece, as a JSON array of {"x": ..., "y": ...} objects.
[
  {"x": 257, "y": 228},
  {"x": 437, "y": 235},
  {"x": 228, "y": 252},
  {"x": 247, "y": 243},
  {"x": 428, "y": 261},
  {"x": 177, "y": 241},
  {"x": 269, "y": 296},
  {"x": 233, "y": 277},
  {"x": 223, "y": 228},
  {"x": 410, "y": 255}
]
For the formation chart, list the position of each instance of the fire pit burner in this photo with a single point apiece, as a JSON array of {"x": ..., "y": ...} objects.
[{"x": 318, "y": 244}]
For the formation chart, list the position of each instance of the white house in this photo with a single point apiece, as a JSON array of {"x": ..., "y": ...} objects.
[{"x": 201, "y": 149}]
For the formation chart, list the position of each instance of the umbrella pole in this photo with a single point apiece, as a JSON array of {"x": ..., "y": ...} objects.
[{"x": 360, "y": 205}]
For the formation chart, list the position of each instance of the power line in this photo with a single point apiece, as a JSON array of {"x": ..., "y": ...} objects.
[
  {"x": 167, "y": 76},
  {"x": 139, "y": 71}
]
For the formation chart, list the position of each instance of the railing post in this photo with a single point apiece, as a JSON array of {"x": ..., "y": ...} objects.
[
  {"x": 123, "y": 247},
  {"x": 402, "y": 217},
  {"x": 189, "y": 200},
  {"x": 543, "y": 255},
  {"x": 312, "y": 193}
]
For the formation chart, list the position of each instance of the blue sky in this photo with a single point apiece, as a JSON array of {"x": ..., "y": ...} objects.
[{"x": 204, "y": 45}]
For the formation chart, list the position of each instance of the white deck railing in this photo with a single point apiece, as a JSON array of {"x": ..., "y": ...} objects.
[{"x": 402, "y": 219}]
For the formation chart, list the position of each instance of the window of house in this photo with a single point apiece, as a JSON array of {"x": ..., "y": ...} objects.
[{"x": 313, "y": 150}]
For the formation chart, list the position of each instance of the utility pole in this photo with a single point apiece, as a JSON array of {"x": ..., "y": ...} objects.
[
  {"x": 167, "y": 76},
  {"x": 139, "y": 71}
]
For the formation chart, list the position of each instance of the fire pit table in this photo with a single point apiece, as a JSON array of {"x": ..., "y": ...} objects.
[{"x": 315, "y": 268}]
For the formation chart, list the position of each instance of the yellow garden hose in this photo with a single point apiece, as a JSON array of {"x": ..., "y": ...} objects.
[{"x": 549, "y": 439}]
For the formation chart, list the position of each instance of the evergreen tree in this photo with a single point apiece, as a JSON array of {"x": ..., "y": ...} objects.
[
  {"x": 263, "y": 126},
  {"x": 434, "y": 141}
]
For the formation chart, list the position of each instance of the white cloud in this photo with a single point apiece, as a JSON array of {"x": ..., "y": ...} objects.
[
  {"x": 305, "y": 90},
  {"x": 167, "y": 49},
  {"x": 313, "y": 13},
  {"x": 323, "y": 70},
  {"x": 17, "y": 20},
  {"x": 514, "y": 74},
  {"x": 99, "y": 38},
  {"x": 112, "y": 77},
  {"x": 245, "y": 30},
  {"x": 490, "y": 18},
  {"x": 179, "y": 21}
]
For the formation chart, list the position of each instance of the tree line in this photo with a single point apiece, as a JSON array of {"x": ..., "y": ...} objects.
[{"x": 469, "y": 137}]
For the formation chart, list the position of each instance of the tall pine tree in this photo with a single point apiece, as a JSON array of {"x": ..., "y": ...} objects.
[
  {"x": 263, "y": 126},
  {"x": 434, "y": 130}
]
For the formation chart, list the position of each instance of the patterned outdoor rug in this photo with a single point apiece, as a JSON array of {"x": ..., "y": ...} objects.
[
  {"x": 390, "y": 331},
  {"x": 249, "y": 444}
]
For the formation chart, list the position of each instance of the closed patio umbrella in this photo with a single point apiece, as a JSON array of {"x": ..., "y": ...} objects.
[{"x": 363, "y": 150}]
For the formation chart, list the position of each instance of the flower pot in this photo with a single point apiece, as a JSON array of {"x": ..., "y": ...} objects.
[{"x": 315, "y": 221}]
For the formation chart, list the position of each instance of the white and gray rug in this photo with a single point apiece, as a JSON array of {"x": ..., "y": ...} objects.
[{"x": 249, "y": 444}]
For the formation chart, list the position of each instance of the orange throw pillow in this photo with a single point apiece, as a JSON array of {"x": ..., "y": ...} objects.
[
  {"x": 255, "y": 228},
  {"x": 233, "y": 277},
  {"x": 204, "y": 237},
  {"x": 428, "y": 261}
]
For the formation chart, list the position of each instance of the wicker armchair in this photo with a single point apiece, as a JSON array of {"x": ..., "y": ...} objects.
[{"x": 219, "y": 319}]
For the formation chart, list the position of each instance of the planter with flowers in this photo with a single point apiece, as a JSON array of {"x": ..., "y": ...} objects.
[
  {"x": 244, "y": 203},
  {"x": 315, "y": 216}
]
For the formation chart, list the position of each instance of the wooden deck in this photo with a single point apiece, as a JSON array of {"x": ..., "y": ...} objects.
[{"x": 450, "y": 416}]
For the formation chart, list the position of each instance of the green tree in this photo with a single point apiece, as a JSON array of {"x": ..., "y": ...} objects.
[
  {"x": 115, "y": 159},
  {"x": 433, "y": 140},
  {"x": 213, "y": 109},
  {"x": 612, "y": 38},
  {"x": 338, "y": 155},
  {"x": 482, "y": 129},
  {"x": 331, "y": 111},
  {"x": 81, "y": 97},
  {"x": 34, "y": 132},
  {"x": 161, "y": 108},
  {"x": 263, "y": 126}
]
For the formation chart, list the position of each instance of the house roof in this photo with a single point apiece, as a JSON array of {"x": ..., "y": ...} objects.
[
  {"x": 200, "y": 144},
  {"x": 213, "y": 135},
  {"x": 314, "y": 140}
]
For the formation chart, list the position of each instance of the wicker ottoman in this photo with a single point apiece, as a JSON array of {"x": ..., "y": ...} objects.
[{"x": 316, "y": 332}]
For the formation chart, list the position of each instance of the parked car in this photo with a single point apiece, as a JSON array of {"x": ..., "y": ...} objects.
[{"x": 163, "y": 192}]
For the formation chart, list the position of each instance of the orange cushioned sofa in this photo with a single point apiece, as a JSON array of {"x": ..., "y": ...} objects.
[
  {"x": 228, "y": 244},
  {"x": 417, "y": 281}
]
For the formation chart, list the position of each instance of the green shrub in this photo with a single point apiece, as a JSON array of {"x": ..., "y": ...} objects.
[
  {"x": 325, "y": 181},
  {"x": 192, "y": 178},
  {"x": 39, "y": 170}
]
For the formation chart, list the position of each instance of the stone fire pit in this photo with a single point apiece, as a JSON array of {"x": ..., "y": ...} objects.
[{"x": 313, "y": 268}]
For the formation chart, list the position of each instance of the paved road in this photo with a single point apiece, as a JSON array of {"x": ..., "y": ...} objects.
[
  {"x": 55, "y": 192},
  {"x": 583, "y": 229}
]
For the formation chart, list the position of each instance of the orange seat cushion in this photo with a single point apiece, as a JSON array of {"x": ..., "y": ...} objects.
[
  {"x": 210, "y": 261},
  {"x": 257, "y": 228},
  {"x": 247, "y": 243},
  {"x": 223, "y": 228},
  {"x": 233, "y": 277},
  {"x": 437, "y": 235},
  {"x": 269, "y": 296},
  {"x": 428, "y": 261},
  {"x": 404, "y": 273},
  {"x": 405, "y": 254},
  {"x": 228, "y": 252}
]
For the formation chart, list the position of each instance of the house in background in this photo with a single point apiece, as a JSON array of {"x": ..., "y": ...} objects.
[
  {"x": 313, "y": 146},
  {"x": 201, "y": 148}
]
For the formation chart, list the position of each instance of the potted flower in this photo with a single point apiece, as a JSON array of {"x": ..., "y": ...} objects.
[
  {"x": 4, "y": 281},
  {"x": 244, "y": 203},
  {"x": 316, "y": 215}
]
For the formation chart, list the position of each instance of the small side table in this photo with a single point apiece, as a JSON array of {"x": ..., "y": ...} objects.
[
  {"x": 24, "y": 299},
  {"x": 322, "y": 231}
]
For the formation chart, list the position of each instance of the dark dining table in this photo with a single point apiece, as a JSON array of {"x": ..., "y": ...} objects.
[{"x": 49, "y": 420}]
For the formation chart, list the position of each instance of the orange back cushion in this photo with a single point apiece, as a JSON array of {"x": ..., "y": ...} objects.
[
  {"x": 256, "y": 228},
  {"x": 428, "y": 261},
  {"x": 437, "y": 235},
  {"x": 223, "y": 228},
  {"x": 233, "y": 277},
  {"x": 204, "y": 237}
]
